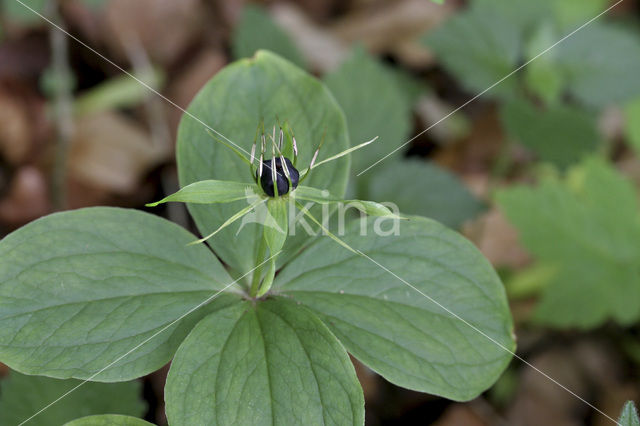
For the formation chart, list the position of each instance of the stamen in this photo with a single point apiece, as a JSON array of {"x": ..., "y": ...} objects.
[
  {"x": 286, "y": 168},
  {"x": 345, "y": 152},
  {"x": 253, "y": 152},
  {"x": 273, "y": 175},
  {"x": 313, "y": 160}
]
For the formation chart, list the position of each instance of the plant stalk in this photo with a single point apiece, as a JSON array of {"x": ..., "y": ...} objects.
[
  {"x": 257, "y": 274},
  {"x": 63, "y": 106}
]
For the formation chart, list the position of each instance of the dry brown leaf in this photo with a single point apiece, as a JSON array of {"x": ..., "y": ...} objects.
[
  {"x": 368, "y": 379},
  {"x": 322, "y": 50},
  {"x": 111, "y": 152},
  {"x": 539, "y": 401},
  {"x": 611, "y": 123},
  {"x": 394, "y": 28},
  {"x": 458, "y": 415},
  {"x": 613, "y": 400},
  {"x": 27, "y": 198},
  {"x": 432, "y": 109},
  {"x": 629, "y": 165},
  {"x": 477, "y": 152},
  {"x": 15, "y": 130},
  {"x": 230, "y": 10},
  {"x": 498, "y": 240},
  {"x": 185, "y": 86},
  {"x": 164, "y": 27}
]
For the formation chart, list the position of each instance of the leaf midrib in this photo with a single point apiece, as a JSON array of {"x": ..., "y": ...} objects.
[{"x": 44, "y": 308}]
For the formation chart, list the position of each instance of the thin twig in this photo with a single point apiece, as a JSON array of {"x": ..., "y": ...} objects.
[{"x": 62, "y": 108}]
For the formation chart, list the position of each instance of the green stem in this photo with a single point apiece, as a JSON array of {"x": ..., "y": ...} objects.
[
  {"x": 63, "y": 106},
  {"x": 257, "y": 274}
]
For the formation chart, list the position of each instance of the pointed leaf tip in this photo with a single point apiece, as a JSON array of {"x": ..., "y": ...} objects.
[{"x": 629, "y": 415}]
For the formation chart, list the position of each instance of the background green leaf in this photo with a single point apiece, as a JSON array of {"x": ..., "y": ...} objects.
[
  {"x": 374, "y": 104},
  {"x": 117, "y": 92},
  {"x": 108, "y": 420},
  {"x": 94, "y": 4},
  {"x": 22, "y": 396},
  {"x": 233, "y": 103},
  {"x": 80, "y": 289},
  {"x": 560, "y": 134},
  {"x": 18, "y": 13},
  {"x": 486, "y": 42},
  {"x": 480, "y": 46},
  {"x": 524, "y": 14},
  {"x": 256, "y": 30},
  {"x": 629, "y": 415},
  {"x": 542, "y": 76},
  {"x": 269, "y": 363},
  {"x": 570, "y": 14},
  {"x": 388, "y": 325},
  {"x": 588, "y": 228},
  {"x": 421, "y": 188},
  {"x": 601, "y": 76}
]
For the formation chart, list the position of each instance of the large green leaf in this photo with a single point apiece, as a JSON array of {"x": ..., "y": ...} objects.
[
  {"x": 559, "y": 134},
  {"x": 389, "y": 325},
  {"x": 233, "y": 103},
  {"x": 374, "y": 105},
  {"x": 269, "y": 363},
  {"x": 588, "y": 229},
  {"x": 108, "y": 420},
  {"x": 23, "y": 396},
  {"x": 256, "y": 30},
  {"x": 80, "y": 289},
  {"x": 629, "y": 415},
  {"x": 421, "y": 188},
  {"x": 601, "y": 64}
]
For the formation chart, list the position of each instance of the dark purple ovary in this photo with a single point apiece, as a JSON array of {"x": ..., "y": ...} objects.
[{"x": 266, "y": 180}]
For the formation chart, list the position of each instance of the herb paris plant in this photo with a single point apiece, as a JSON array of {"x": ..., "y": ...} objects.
[
  {"x": 276, "y": 182},
  {"x": 80, "y": 289}
]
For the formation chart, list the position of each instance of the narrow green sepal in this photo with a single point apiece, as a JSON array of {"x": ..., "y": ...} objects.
[
  {"x": 306, "y": 171},
  {"x": 229, "y": 221},
  {"x": 210, "y": 192},
  {"x": 230, "y": 146},
  {"x": 335, "y": 238},
  {"x": 370, "y": 208}
]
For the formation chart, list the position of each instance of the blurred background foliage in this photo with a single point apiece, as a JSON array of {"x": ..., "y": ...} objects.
[{"x": 541, "y": 172}]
